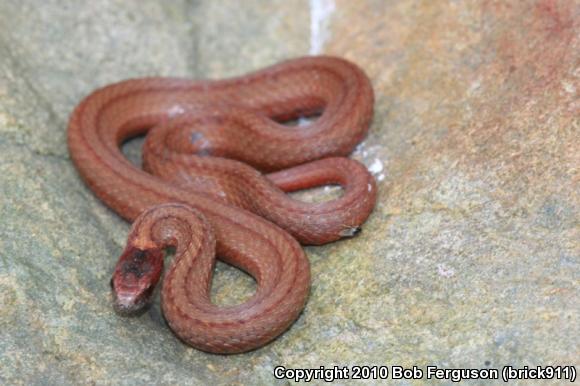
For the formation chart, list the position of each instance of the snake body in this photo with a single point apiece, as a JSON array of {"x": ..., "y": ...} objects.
[{"x": 204, "y": 193}]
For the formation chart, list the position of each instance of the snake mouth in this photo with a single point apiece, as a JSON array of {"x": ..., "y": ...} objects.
[
  {"x": 129, "y": 305},
  {"x": 129, "y": 301}
]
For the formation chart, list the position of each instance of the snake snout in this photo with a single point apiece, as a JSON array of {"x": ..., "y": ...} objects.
[{"x": 129, "y": 304}]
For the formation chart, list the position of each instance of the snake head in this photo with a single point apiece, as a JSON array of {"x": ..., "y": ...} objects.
[{"x": 136, "y": 274}]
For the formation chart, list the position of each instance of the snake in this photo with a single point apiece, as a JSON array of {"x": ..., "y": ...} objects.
[{"x": 219, "y": 159}]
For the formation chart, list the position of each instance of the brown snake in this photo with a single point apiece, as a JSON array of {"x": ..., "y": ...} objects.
[{"x": 196, "y": 198}]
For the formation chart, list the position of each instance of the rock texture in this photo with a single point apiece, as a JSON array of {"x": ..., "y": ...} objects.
[{"x": 469, "y": 260}]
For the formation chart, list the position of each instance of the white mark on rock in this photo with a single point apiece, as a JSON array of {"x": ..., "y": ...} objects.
[
  {"x": 304, "y": 121},
  {"x": 376, "y": 167},
  {"x": 369, "y": 187},
  {"x": 475, "y": 85},
  {"x": 569, "y": 87},
  {"x": 361, "y": 150},
  {"x": 445, "y": 271},
  {"x": 320, "y": 11}
]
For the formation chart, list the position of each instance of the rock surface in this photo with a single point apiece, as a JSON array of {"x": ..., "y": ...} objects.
[{"x": 470, "y": 258}]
